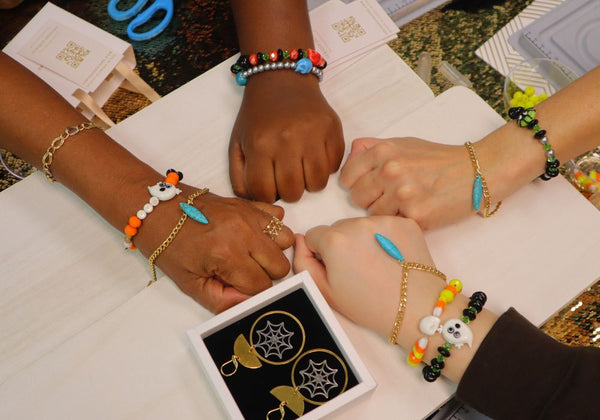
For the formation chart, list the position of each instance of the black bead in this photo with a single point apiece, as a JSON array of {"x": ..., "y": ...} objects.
[
  {"x": 532, "y": 123},
  {"x": 479, "y": 295},
  {"x": 477, "y": 305},
  {"x": 443, "y": 351},
  {"x": 438, "y": 364},
  {"x": 515, "y": 112},
  {"x": 235, "y": 68},
  {"x": 429, "y": 374},
  {"x": 470, "y": 313},
  {"x": 279, "y": 54},
  {"x": 545, "y": 177},
  {"x": 540, "y": 134},
  {"x": 300, "y": 54},
  {"x": 244, "y": 62},
  {"x": 554, "y": 164},
  {"x": 259, "y": 58}
]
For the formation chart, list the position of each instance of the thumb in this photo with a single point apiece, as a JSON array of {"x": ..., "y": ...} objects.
[{"x": 305, "y": 260}]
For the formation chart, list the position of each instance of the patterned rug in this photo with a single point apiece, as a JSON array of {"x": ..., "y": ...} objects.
[{"x": 202, "y": 34}]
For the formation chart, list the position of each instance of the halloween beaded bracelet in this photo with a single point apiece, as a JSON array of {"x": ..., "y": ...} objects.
[
  {"x": 525, "y": 118},
  {"x": 429, "y": 324},
  {"x": 161, "y": 191},
  {"x": 456, "y": 333}
]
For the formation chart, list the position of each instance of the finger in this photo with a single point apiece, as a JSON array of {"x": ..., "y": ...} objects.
[
  {"x": 316, "y": 172},
  {"x": 360, "y": 145},
  {"x": 285, "y": 238},
  {"x": 334, "y": 147},
  {"x": 213, "y": 294},
  {"x": 384, "y": 205},
  {"x": 237, "y": 164},
  {"x": 289, "y": 177},
  {"x": 268, "y": 255},
  {"x": 304, "y": 259},
  {"x": 356, "y": 167},
  {"x": 260, "y": 179},
  {"x": 366, "y": 190},
  {"x": 245, "y": 274}
]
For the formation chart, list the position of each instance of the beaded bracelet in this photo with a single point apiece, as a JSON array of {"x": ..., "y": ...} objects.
[
  {"x": 429, "y": 324},
  {"x": 303, "y": 62},
  {"x": 480, "y": 189},
  {"x": 161, "y": 191},
  {"x": 456, "y": 333},
  {"x": 303, "y": 67},
  {"x": 525, "y": 118}
]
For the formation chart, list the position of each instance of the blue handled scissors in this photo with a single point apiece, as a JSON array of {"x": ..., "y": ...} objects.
[{"x": 142, "y": 18}]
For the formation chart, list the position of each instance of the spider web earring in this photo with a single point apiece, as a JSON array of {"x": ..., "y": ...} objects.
[
  {"x": 276, "y": 338},
  {"x": 318, "y": 376}
]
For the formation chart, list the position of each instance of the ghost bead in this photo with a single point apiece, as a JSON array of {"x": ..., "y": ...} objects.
[
  {"x": 163, "y": 191},
  {"x": 457, "y": 333}
]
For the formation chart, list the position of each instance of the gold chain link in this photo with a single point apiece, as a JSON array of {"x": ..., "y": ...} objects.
[
  {"x": 172, "y": 235},
  {"x": 487, "y": 199},
  {"x": 57, "y": 144}
]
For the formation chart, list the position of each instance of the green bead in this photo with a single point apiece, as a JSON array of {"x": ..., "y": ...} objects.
[
  {"x": 523, "y": 123},
  {"x": 536, "y": 128},
  {"x": 447, "y": 345},
  {"x": 547, "y": 146},
  {"x": 465, "y": 319},
  {"x": 265, "y": 57},
  {"x": 439, "y": 358},
  {"x": 304, "y": 54},
  {"x": 286, "y": 54}
]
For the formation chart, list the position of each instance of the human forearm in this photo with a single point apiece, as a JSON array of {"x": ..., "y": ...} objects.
[
  {"x": 90, "y": 163},
  {"x": 511, "y": 157},
  {"x": 272, "y": 24}
]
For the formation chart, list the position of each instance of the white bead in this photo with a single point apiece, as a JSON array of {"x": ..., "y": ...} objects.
[
  {"x": 141, "y": 214},
  {"x": 148, "y": 208},
  {"x": 154, "y": 201}
]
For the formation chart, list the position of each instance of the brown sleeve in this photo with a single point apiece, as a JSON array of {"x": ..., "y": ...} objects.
[{"x": 520, "y": 372}]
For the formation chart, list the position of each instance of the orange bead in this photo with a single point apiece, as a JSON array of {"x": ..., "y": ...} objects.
[
  {"x": 413, "y": 360},
  {"x": 418, "y": 348},
  {"x": 130, "y": 230},
  {"x": 452, "y": 289},
  {"x": 440, "y": 304},
  {"x": 135, "y": 222},
  {"x": 172, "y": 178}
]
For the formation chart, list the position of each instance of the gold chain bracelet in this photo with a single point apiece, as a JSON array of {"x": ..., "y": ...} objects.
[
  {"x": 172, "y": 235},
  {"x": 485, "y": 193},
  {"x": 57, "y": 144},
  {"x": 404, "y": 292}
]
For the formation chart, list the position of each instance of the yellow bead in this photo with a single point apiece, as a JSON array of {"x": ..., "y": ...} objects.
[
  {"x": 457, "y": 284},
  {"x": 543, "y": 96},
  {"x": 447, "y": 296},
  {"x": 518, "y": 94},
  {"x": 529, "y": 91}
]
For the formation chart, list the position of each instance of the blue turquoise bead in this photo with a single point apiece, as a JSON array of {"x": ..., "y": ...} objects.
[
  {"x": 193, "y": 213},
  {"x": 389, "y": 247},
  {"x": 477, "y": 192},
  {"x": 303, "y": 66},
  {"x": 240, "y": 80}
]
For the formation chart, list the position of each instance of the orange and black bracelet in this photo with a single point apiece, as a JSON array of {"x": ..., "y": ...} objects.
[{"x": 161, "y": 191}]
